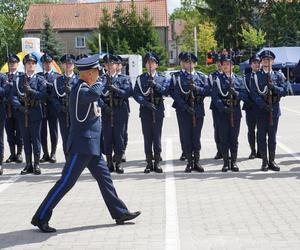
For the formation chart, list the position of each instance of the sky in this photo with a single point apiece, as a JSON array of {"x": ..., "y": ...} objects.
[{"x": 173, "y": 4}]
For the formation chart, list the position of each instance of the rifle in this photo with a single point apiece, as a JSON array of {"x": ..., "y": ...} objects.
[
  {"x": 231, "y": 85},
  {"x": 192, "y": 97},
  {"x": 109, "y": 83},
  {"x": 152, "y": 95},
  {"x": 269, "y": 94},
  {"x": 66, "y": 84},
  {"x": 9, "y": 107},
  {"x": 26, "y": 98}
]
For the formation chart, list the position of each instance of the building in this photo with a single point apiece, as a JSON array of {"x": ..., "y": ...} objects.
[{"x": 75, "y": 22}]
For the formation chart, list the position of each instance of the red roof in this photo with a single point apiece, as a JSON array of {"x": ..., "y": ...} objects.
[{"x": 77, "y": 16}]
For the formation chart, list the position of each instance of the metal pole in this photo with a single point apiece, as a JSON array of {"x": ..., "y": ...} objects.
[
  {"x": 195, "y": 40},
  {"x": 99, "y": 41}
]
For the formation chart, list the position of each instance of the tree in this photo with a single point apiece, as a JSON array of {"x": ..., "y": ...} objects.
[
  {"x": 281, "y": 21},
  {"x": 252, "y": 38},
  {"x": 127, "y": 32},
  {"x": 49, "y": 41}
]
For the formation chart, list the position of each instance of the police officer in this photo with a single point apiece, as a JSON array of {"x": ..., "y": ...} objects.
[
  {"x": 211, "y": 78},
  {"x": 27, "y": 94},
  {"x": 14, "y": 137},
  {"x": 119, "y": 71},
  {"x": 269, "y": 87},
  {"x": 60, "y": 96},
  {"x": 149, "y": 90},
  {"x": 189, "y": 93},
  {"x": 173, "y": 82},
  {"x": 50, "y": 114},
  {"x": 3, "y": 83},
  {"x": 249, "y": 105},
  {"x": 84, "y": 150},
  {"x": 228, "y": 90},
  {"x": 117, "y": 89}
]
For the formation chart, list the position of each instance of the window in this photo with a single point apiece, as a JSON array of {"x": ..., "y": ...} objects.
[{"x": 80, "y": 41}]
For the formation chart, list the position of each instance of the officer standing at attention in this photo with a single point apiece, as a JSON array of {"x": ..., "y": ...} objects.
[
  {"x": 249, "y": 105},
  {"x": 27, "y": 94},
  {"x": 3, "y": 83},
  {"x": 189, "y": 93},
  {"x": 50, "y": 114},
  {"x": 119, "y": 72},
  {"x": 117, "y": 89},
  {"x": 149, "y": 90},
  {"x": 228, "y": 90},
  {"x": 84, "y": 150},
  {"x": 60, "y": 96},
  {"x": 269, "y": 87},
  {"x": 14, "y": 137},
  {"x": 174, "y": 79},
  {"x": 211, "y": 78}
]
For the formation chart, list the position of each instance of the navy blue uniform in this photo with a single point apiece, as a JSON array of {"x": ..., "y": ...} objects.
[
  {"x": 211, "y": 78},
  {"x": 59, "y": 101},
  {"x": 83, "y": 151},
  {"x": 32, "y": 134},
  {"x": 251, "y": 112},
  {"x": 113, "y": 133},
  {"x": 12, "y": 129},
  {"x": 50, "y": 116},
  {"x": 151, "y": 117},
  {"x": 259, "y": 93},
  {"x": 228, "y": 108},
  {"x": 191, "y": 133}
]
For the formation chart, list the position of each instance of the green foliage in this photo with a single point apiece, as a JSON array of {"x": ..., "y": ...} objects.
[
  {"x": 252, "y": 37},
  {"x": 281, "y": 21},
  {"x": 49, "y": 41},
  {"x": 127, "y": 33}
]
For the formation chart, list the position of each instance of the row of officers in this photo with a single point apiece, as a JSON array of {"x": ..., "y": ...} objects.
[{"x": 31, "y": 102}]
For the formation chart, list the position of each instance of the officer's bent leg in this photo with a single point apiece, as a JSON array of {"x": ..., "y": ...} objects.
[
  {"x": 262, "y": 128},
  {"x": 72, "y": 170},
  {"x": 180, "y": 131},
  {"x": 52, "y": 120},
  {"x": 224, "y": 132},
  {"x": 234, "y": 135},
  {"x": 197, "y": 134},
  {"x": 35, "y": 132},
  {"x": 187, "y": 131},
  {"x": 272, "y": 131},
  {"x": 10, "y": 132},
  {"x": 251, "y": 124},
  {"x": 157, "y": 130},
  {"x": 44, "y": 132},
  {"x": 25, "y": 133},
  {"x": 100, "y": 172},
  {"x": 107, "y": 137}
]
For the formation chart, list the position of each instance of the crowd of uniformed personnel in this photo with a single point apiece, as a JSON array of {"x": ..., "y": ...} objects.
[{"x": 31, "y": 102}]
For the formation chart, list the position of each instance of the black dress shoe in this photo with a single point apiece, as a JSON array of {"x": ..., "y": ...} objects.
[
  {"x": 182, "y": 157},
  {"x": 258, "y": 155},
  {"x": 1, "y": 170},
  {"x": 264, "y": 167},
  {"x": 18, "y": 158},
  {"x": 218, "y": 156},
  {"x": 52, "y": 159},
  {"x": 45, "y": 158},
  {"x": 225, "y": 168},
  {"x": 234, "y": 167},
  {"x": 147, "y": 170},
  {"x": 11, "y": 158},
  {"x": 188, "y": 169},
  {"x": 127, "y": 216},
  {"x": 273, "y": 166},
  {"x": 36, "y": 170},
  {"x": 27, "y": 170},
  {"x": 198, "y": 168},
  {"x": 43, "y": 226},
  {"x": 123, "y": 158},
  {"x": 252, "y": 155}
]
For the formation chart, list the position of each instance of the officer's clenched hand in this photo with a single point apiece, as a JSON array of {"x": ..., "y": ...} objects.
[
  {"x": 106, "y": 109},
  {"x": 67, "y": 89},
  {"x": 268, "y": 108},
  {"x": 112, "y": 88},
  {"x": 192, "y": 87},
  {"x": 151, "y": 83},
  {"x": 233, "y": 92},
  {"x": 228, "y": 110},
  {"x": 23, "y": 110},
  {"x": 28, "y": 90},
  {"x": 271, "y": 86},
  {"x": 190, "y": 110},
  {"x": 150, "y": 106}
]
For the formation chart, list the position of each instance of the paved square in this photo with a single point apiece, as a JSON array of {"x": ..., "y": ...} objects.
[{"x": 213, "y": 210}]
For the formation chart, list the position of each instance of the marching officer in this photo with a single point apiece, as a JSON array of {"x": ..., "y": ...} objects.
[
  {"x": 211, "y": 78},
  {"x": 189, "y": 93},
  {"x": 249, "y": 105},
  {"x": 3, "y": 91},
  {"x": 227, "y": 92},
  {"x": 60, "y": 96},
  {"x": 117, "y": 89},
  {"x": 149, "y": 90},
  {"x": 50, "y": 115},
  {"x": 84, "y": 150},
  {"x": 27, "y": 94},
  {"x": 14, "y": 137},
  {"x": 173, "y": 82},
  {"x": 269, "y": 87},
  {"x": 119, "y": 71}
]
